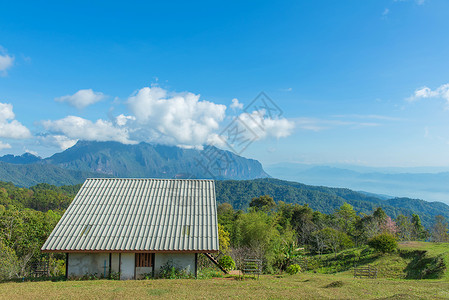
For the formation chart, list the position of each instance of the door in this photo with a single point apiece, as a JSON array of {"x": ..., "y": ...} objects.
[{"x": 127, "y": 264}]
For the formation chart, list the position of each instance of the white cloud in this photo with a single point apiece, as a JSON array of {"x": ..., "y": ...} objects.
[
  {"x": 121, "y": 120},
  {"x": 385, "y": 12},
  {"x": 236, "y": 104},
  {"x": 76, "y": 128},
  {"x": 31, "y": 152},
  {"x": 174, "y": 118},
  {"x": 6, "y": 61},
  {"x": 425, "y": 92},
  {"x": 4, "y": 145},
  {"x": 9, "y": 127},
  {"x": 82, "y": 98},
  {"x": 60, "y": 141},
  {"x": 264, "y": 127}
]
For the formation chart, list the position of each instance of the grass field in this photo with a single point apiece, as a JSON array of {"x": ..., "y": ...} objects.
[
  {"x": 306, "y": 286},
  {"x": 414, "y": 258}
]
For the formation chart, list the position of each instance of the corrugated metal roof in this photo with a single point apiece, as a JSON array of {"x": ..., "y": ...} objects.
[{"x": 111, "y": 214}]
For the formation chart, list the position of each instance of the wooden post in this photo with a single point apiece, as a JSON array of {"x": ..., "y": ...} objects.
[
  {"x": 152, "y": 263},
  {"x": 110, "y": 264},
  {"x": 196, "y": 265},
  {"x": 120, "y": 265},
  {"x": 67, "y": 265}
]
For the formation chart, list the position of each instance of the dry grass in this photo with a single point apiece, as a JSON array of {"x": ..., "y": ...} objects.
[{"x": 306, "y": 286}]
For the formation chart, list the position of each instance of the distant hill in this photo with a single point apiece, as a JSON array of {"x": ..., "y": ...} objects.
[
  {"x": 26, "y": 158},
  {"x": 113, "y": 159},
  {"x": 425, "y": 183},
  {"x": 323, "y": 199},
  {"x": 27, "y": 175}
]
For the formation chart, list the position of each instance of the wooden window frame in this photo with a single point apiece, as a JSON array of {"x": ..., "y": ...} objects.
[{"x": 144, "y": 260}]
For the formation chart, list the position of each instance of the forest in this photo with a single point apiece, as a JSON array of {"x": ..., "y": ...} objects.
[{"x": 275, "y": 231}]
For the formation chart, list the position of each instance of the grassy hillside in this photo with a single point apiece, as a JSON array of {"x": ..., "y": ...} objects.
[{"x": 413, "y": 260}]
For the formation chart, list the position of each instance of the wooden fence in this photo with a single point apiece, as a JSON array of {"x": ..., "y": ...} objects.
[
  {"x": 40, "y": 269},
  {"x": 252, "y": 267},
  {"x": 369, "y": 272}
]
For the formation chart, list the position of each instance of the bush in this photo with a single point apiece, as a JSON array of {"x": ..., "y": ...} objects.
[
  {"x": 293, "y": 269},
  {"x": 170, "y": 271},
  {"x": 226, "y": 262},
  {"x": 384, "y": 243}
]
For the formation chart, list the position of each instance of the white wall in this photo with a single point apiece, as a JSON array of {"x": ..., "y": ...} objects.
[
  {"x": 185, "y": 261},
  {"x": 115, "y": 260},
  {"x": 127, "y": 266},
  {"x": 93, "y": 263},
  {"x": 88, "y": 264}
]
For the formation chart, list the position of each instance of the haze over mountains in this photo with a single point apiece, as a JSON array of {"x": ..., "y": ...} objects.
[{"x": 430, "y": 184}]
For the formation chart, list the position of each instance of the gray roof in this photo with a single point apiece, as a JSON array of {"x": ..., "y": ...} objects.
[{"x": 110, "y": 214}]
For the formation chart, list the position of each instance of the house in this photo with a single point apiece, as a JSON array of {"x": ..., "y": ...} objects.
[{"x": 133, "y": 227}]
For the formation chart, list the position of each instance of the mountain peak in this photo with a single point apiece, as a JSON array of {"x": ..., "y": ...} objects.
[
  {"x": 26, "y": 158},
  {"x": 157, "y": 161}
]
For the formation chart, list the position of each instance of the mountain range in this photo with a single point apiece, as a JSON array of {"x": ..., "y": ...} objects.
[
  {"x": 249, "y": 180},
  {"x": 113, "y": 159}
]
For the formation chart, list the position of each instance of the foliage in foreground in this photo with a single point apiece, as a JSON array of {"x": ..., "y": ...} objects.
[
  {"x": 293, "y": 269},
  {"x": 384, "y": 242}
]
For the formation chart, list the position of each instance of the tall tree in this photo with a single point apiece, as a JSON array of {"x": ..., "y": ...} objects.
[
  {"x": 440, "y": 230},
  {"x": 264, "y": 203}
]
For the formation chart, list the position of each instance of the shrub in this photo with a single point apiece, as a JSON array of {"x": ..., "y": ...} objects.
[
  {"x": 226, "y": 262},
  {"x": 293, "y": 269},
  {"x": 170, "y": 271},
  {"x": 384, "y": 242}
]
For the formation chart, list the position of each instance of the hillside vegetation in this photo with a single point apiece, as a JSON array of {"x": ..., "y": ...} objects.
[
  {"x": 412, "y": 260},
  {"x": 324, "y": 199},
  {"x": 270, "y": 230}
]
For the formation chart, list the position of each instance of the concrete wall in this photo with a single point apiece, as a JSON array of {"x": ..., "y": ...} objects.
[
  {"x": 88, "y": 264},
  {"x": 127, "y": 266},
  {"x": 142, "y": 271},
  {"x": 185, "y": 261},
  {"x": 115, "y": 261},
  {"x": 80, "y": 264}
]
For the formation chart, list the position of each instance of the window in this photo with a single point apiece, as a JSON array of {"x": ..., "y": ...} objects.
[{"x": 144, "y": 259}]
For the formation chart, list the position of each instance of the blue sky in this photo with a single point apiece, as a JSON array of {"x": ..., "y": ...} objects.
[{"x": 358, "y": 82}]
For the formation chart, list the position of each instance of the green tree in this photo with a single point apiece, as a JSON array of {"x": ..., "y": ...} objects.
[
  {"x": 330, "y": 239},
  {"x": 440, "y": 230},
  {"x": 9, "y": 264},
  {"x": 419, "y": 232},
  {"x": 223, "y": 239},
  {"x": 384, "y": 242},
  {"x": 346, "y": 218},
  {"x": 264, "y": 203},
  {"x": 405, "y": 227}
]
